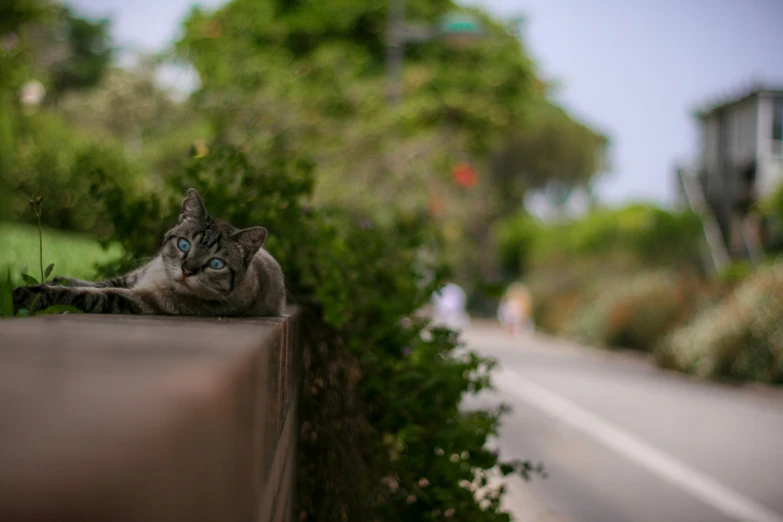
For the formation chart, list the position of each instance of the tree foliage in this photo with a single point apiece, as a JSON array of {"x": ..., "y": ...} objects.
[
  {"x": 72, "y": 52},
  {"x": 328, "y": 59},
  {"x": 552, "y": 153},
  {"x": 129, "y": 108}
]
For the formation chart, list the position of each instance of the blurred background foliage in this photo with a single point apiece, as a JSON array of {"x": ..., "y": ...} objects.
[{"x": 370, "y": 207}]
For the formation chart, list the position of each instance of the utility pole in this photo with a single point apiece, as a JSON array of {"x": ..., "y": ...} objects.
[{"x": 395, "y": 50}]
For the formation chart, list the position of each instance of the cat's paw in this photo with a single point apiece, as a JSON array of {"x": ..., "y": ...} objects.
[{"x": 26, "y": 296}]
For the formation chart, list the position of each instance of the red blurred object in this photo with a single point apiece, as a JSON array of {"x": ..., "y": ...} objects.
[{"x": 465, "y": 175}]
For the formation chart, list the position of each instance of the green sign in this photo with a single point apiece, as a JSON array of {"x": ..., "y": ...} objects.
[{"x": 459, "y": 23}]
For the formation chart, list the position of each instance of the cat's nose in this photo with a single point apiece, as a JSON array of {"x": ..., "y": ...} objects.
[{"x": 186, "y": 272}]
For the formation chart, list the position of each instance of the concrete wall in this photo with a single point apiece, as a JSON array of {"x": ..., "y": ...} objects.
[{"x": 133, "y": 418}]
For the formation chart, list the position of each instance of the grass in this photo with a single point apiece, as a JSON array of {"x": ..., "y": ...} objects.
[{"x": 73, "y": 255}]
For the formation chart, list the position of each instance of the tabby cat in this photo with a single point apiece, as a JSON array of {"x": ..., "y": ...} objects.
[{"x": 206, "y": 267}]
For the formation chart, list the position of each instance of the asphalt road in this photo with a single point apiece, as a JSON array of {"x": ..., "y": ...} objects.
[{"x": 623, "y": 441}]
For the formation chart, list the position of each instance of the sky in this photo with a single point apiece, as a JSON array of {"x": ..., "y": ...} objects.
[{"x": 635, "y": 70}]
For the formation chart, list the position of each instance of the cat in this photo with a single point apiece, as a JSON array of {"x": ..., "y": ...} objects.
[{"x": 205, "y": 267}]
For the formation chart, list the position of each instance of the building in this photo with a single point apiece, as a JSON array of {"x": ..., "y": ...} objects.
[{"x": 740, "y": 160}]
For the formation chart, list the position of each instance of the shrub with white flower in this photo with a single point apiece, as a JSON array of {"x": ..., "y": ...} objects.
[{"x": 740, "y": 338}]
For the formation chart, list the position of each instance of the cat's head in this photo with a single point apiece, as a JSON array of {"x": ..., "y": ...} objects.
[{"x": 207, "y": 257}]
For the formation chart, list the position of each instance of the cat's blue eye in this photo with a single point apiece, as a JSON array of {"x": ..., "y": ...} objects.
[
  {"x": 183, "y": 244},
  {"x": 216, "y": 263}
]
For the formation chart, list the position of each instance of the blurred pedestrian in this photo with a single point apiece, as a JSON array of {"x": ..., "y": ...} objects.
[
  {"x": 515, "y": 310},
  {"x": 449, "y": 303}
]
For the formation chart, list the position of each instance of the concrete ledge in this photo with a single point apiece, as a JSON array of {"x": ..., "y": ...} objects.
[{"x": 148, "y": 418}]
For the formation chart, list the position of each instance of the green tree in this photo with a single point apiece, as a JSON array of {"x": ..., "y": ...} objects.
[
  {"x": 72, "y": 52},
  {"x": 475, "y": 94},
  {"x": 15, "y": 14},
  {"x": 552, "y": 153}
]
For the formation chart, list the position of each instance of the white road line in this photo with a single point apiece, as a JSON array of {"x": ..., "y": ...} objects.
[{"x": 708, "y": 490}]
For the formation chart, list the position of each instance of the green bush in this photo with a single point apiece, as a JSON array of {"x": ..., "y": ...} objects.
[
  {"x": 53, "y": 160},
  {"x": 736, "y": 271},
  {"x": 584, "y": 273},
  {"x": 631, "y": 235},
  {"x": 515, "y": 240},
  {"x": 633, "y": 312},
  {"x": 739, "y": 338},
  {"x": 380, "y": 413},
  {"x": 559, "y": 292},
  {"x": 771, "y": 213}
]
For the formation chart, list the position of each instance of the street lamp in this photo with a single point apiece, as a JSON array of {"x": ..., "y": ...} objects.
[{"x": 455, "y": 29}]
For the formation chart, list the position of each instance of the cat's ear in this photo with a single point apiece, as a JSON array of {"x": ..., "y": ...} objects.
[
  {"x": 250, "y": 239},
  {"x": 193, "y": 207}
]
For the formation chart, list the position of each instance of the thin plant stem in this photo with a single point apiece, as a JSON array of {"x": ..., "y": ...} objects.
[{"x": 35, "y": 301}]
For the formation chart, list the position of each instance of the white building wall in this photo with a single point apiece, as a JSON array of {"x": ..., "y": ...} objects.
[
  {"x": 749, "y": 126},
  {"x": 744, "y": 124},
  {"x": 770, "y": 173}
]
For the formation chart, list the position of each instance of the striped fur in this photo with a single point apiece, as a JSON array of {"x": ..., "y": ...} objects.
[{"x": 182, "y": 281}]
